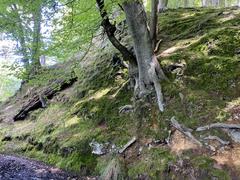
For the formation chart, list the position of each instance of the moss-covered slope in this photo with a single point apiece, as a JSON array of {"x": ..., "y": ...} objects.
[{"x": 203, "y": 89}]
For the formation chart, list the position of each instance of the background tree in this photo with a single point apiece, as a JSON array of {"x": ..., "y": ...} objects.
[{"x": 22, "y": 22}]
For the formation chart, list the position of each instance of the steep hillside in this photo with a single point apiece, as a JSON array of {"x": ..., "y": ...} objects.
[{"x": 82, "y": 126}]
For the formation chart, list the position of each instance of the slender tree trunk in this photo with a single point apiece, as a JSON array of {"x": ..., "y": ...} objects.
[
  {"x": 110, "y": 30},
  {"x": 153, "y": 23},
  {"x": 21, "y": 37},
  {"x": 215, "y": 3},
  {"x": 162, "y": 5},
  {"x": 36, "y": 44},
  {"x": 204, "y": 3},
  {"x": 148, "y": 66},
  {"x": 186, "y": 3},
  {"x": 127, "y": 55}
]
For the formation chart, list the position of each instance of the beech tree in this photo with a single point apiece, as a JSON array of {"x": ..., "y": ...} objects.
[
  {"x": 149, "y": 70},
  {"x": 144, "y": 68},
  {"x": 22, "y": 21}
]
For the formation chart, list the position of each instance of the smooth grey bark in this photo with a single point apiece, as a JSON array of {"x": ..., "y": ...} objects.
[
  {"x": 162, "y": 5},
  {"x": 110, "y": 30},
  {"x": 204, "y": 3},
  {"x": 21, "y": 36},
  {"x": 215, "y": 3},
  {"x": 148, "y": 66},
  {"x": 186, "y": 3},
  {"x": 127, "y": 55},
  {"x": 153, "y": 22},
  {"x": 36, "y": 44}
]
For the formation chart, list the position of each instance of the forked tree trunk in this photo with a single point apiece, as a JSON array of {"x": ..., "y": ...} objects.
[
  {"x": 110, "y": 29},
  {"x": 148, "y": 66}
]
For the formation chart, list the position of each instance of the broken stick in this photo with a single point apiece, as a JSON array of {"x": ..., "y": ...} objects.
[{"x": 133, "y": 140}]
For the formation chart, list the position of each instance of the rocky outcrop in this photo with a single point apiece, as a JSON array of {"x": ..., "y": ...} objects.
[{"x": 32, "y": 99}]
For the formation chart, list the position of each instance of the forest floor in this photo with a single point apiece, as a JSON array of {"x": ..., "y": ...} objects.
[
  {"x": 12, "y": 167},
  {"x": 200, "y": 55}
]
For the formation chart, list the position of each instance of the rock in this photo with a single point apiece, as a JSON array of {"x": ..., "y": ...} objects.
[
  {"x": 234, "y": 134},
  {"x": 98, "y": 148},
  {"x": 20, "y": 108}
]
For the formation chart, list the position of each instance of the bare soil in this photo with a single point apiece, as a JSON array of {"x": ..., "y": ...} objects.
[{"x": 18, "y": 168}]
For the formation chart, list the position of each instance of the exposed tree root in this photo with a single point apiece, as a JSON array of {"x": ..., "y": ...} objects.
[
  {"x": 218, "y": 125},
  {"x": 185, "y": 131},
  {"x": 217, "y": 139}
]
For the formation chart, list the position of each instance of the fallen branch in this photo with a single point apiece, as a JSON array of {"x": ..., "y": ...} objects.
[
  {"x": 217, "y": 139},
  {"x": 218, "y": 125},
  {"x": 133, "y": 140},
  {"x": 185, "y": 131}
]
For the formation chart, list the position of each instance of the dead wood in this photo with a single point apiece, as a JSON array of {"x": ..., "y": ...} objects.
[
  {"x": 218, "y": 125},
  {"x": 133, "y": 140}
]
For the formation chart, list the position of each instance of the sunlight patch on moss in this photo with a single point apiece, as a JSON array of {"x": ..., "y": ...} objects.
[
  {"x": 99, "y": 94},
  {"x": 72, "y": 121}
]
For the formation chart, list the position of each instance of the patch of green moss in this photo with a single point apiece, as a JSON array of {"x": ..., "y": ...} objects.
[
  {"x": 153, "y": 164},
  {"x": 224, "y": 42},
  {"x": 204, "y": 163}
]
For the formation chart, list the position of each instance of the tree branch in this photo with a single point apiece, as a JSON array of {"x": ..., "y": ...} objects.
[{"x": 110, "y": 30}]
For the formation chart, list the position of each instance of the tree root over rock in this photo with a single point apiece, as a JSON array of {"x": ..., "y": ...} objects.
[{"x": 185, "y": 131}]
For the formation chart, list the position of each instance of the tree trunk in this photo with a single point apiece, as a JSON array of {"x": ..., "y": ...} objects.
[
  {"x": 153, "y": 23},
  {"x": 36, "y": 44},
  {"x": 127, "y": 55},
  {"x": 148, "y": 66},
  {"x": 110, "y": 30},
  {"x": 215, "y": 3},
  {"x": 186, "y": 3},
  {"x": 162, "y": 5},
  {"x": 204, "y": 3},
  {"x": 23, "y": 48}
]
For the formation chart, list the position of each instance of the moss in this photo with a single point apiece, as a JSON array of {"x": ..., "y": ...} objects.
[
  {"x": 224, "y": 42},
  {"x": 61, "y": 133},
  {"x": 204, "y": 163},
  {"x": 186, "y": 24},
  {"x": 153, "y": 164},
  {"x": 83, "y": 164}
]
